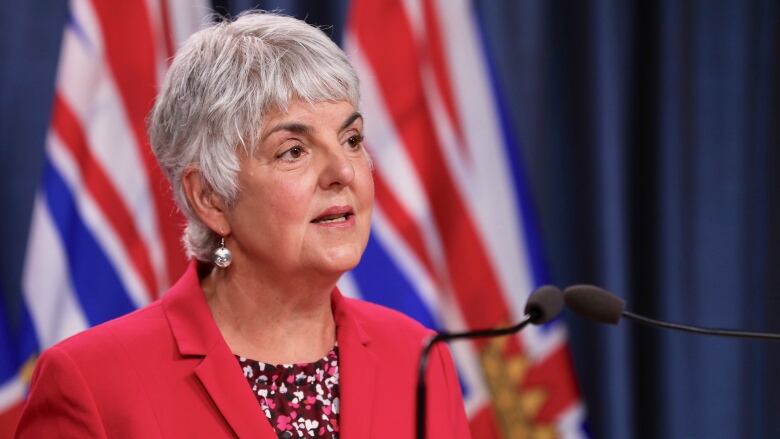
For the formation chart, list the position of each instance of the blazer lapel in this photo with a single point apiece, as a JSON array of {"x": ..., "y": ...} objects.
[
  {"x": 231, "y": 393},
  {"x": 197, "y": 335},
  {"x": 357, "y": 372}
]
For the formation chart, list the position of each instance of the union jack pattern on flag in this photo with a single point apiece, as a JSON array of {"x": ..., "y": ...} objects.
[
  {"x": 453, "y": 241},
  {"x": 104, "y": 237}
]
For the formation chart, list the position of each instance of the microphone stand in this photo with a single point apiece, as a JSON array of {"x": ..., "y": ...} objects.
[{"x": 422, "y": 389}]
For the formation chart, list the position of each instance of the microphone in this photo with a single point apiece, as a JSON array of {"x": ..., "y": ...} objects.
[
  {"x": 598, "y": 304},
  {"x": 543, "y": 305}
]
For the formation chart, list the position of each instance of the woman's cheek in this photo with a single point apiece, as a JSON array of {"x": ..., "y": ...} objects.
[{"x": 292, "y": 201}]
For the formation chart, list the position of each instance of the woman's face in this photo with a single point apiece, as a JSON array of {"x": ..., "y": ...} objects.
[{"x": 306, "y": 194}]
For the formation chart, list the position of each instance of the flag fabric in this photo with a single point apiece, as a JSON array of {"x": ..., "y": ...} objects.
[
  {"x": 104, "y": 237},
  {"x": 453, "y": 241}
]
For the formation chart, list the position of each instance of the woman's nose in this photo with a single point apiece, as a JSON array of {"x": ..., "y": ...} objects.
[{"x": 338, "y": 170}]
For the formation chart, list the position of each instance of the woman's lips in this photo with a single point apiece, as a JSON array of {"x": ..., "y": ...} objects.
[{"x": 336, "y": 216}]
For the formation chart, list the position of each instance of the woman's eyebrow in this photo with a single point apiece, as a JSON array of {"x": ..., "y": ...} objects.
[
  {"x": 350, "y": 120},
  {"x": 293, "y": 127},
  {"x": 299, "y": 128}
]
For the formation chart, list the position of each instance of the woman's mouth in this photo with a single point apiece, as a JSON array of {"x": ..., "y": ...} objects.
[
  {"x": 332, "y": 219},
  {"x": 334, "y": 215}
]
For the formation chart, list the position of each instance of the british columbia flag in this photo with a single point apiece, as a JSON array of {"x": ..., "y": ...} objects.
[{"x": 453, "y": 245}]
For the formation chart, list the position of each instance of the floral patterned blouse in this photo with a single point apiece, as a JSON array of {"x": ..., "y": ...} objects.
[{"x": 300, "y": 400}]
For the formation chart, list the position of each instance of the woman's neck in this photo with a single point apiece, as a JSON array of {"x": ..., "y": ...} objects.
[{"x": 276, "y": 320}]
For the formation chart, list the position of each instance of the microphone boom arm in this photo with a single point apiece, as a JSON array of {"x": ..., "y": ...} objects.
[{"x": 699, "y": 330}]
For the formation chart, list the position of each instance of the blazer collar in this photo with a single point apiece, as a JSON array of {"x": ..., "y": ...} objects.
[
  {"x": 189, "y": 315},
  {"x": 196, "y": 334}
]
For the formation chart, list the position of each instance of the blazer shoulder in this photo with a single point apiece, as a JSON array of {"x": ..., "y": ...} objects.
[{"x": 135, "y": 328}]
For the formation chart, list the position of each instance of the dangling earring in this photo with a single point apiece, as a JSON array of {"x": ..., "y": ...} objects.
[{"x": 222, "y": 256}]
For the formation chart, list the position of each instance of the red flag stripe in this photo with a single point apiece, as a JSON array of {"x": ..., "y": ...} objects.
[
  {"x": 555, "y": 375},
  {"x": 130, "y": 52},
  {"x": 68, "y": 128},
  {"x": 393, "y": 61},
  {"x": 484, "y": 424}
]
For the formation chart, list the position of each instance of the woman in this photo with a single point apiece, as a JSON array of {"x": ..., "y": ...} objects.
[{"x": 258, "y": 131}]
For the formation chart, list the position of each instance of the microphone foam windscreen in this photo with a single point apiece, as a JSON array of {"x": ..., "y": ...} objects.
[
  {"x": 544, "y": 304},
  {"x": 594, "y": 303}
]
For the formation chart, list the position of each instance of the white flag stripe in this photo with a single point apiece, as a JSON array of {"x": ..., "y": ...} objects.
[
  {"x": 186, "y": 17},
  {"x": 81, "y": 68},
  {"x": 46, "y": 287},
  {"x": 86, "y": 21},
  {"x": 11, "y": 392},
  {"x": 95, "y": 220}
]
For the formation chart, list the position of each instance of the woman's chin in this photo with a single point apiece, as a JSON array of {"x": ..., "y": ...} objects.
[{"x": 339, "y": 261}]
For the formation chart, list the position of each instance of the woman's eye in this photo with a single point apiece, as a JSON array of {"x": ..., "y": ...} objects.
[
  {"x": 355, "y": 141},
  {"x": 292, "y": 154}
]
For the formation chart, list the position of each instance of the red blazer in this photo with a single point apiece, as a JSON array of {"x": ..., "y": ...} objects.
[{"x": 165, "y": 371}]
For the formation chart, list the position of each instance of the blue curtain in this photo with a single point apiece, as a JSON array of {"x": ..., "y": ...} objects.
[
  {"x": 30, "y": 34},
  {"x": 650, "y": 133}
]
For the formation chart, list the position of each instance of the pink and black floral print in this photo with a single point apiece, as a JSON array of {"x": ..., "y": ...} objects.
[{"x": 300, "y": 400}]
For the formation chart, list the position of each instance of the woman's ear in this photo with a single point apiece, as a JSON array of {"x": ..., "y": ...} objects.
[{"x": 207, "y": 205}]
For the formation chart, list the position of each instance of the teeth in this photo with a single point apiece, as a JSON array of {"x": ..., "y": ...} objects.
[{"x": 333, "y": 220}]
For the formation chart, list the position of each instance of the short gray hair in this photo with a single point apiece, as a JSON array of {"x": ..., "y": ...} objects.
[{"x": 221, "y": 84}]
